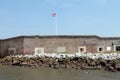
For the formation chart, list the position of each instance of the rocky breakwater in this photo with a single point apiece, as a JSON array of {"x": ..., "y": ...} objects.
[{"x": 109, "y": 62}]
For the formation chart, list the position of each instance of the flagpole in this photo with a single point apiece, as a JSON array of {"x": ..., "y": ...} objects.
[
  {"x": 55, "y": 19},
  {"x": 56, "y": 26}
]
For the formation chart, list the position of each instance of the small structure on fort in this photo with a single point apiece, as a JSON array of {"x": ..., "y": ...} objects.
[{"x": 58, "y": 44}]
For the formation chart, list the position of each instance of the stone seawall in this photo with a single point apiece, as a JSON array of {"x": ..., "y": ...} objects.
[{"x": 67, "y": 62}]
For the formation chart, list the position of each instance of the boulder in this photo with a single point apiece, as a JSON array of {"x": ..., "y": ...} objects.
[
  {"x": 118, "y": 66},
  {"x": 103, "y": 63}
]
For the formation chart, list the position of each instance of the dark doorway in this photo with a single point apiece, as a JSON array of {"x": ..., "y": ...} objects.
[
  {"x": 117, "y": 48},
  {"x": 100, "y": 49}
]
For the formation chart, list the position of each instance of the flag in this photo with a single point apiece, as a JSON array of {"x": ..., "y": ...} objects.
[{"x": 53, "y": 14}]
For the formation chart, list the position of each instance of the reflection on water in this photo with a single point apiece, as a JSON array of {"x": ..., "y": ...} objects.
[{"x": 20, "y": 73}]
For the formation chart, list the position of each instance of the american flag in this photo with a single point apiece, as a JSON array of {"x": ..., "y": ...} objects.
[{"x": 53, "y": 14}]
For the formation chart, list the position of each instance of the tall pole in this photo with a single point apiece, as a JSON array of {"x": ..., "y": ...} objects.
[
  {"x": 55, "y": 19},
  {"x": 56, "y": 26}
]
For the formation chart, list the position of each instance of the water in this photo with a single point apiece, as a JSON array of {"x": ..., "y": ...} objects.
[{"x": 20, "y": 73}]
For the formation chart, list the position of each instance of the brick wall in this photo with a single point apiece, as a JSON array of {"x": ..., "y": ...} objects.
[
  {"x": 0, "y": 47},
  {"x": 71, "y": 43},
  {"x": 27, "y": 44},
  {"x": 108, "y": 42},
  {"x": 12, "y": 43}
]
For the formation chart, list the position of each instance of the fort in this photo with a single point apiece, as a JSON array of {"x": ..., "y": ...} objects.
[{"x": 58, "y": 44}]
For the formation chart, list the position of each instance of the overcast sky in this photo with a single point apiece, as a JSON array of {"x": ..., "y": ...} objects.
[{"x": 74, "y": 17}]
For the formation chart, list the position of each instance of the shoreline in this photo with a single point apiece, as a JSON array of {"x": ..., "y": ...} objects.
[{"x": 78, "y": 61}]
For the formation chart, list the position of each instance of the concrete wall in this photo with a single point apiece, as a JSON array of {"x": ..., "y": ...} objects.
[{"x": 16, "y": 43}]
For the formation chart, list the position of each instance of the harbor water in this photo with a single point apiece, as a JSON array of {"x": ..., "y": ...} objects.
[{"x": 21, "y": 73}]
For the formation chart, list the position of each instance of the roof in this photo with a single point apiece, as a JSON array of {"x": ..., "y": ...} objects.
[{"x": 63, "y": 36}]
